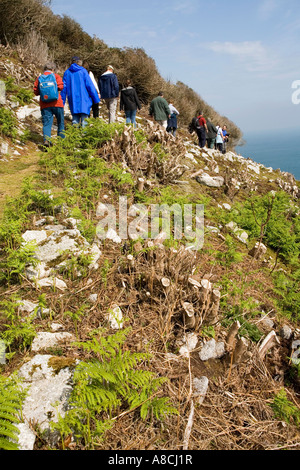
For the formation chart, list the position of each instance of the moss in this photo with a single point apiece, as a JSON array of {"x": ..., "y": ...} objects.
[{"x": 59, "y": 363}]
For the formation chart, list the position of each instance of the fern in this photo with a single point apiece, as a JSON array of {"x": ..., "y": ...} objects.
[
  {"x": 10, "y": 407},
  {"x": 109, "y": 381},
  {"x": 284, "y": 409}
]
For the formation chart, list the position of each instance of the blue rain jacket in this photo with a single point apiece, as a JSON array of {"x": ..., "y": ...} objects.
[{"x": 79, "y": 89}]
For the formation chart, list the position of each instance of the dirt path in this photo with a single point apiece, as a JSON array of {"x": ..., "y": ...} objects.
[{"x": 13, "y": 173}]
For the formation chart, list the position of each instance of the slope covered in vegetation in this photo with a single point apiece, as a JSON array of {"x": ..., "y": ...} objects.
[
  {"x": 37, "y": 35},
  {"x": 133, "y": 341}
]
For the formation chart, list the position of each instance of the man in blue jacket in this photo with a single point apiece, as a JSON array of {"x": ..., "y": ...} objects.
[
  {"x": 109, "y": 91},
  {"x": 80, "y": 91}
]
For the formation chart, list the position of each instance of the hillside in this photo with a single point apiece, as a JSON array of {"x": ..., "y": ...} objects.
[
  {"x": 135, "y": 342},
  {"x": 37, "y": 35}
]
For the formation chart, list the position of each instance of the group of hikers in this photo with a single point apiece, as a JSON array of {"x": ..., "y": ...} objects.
[{"x": 84, "y": 93}]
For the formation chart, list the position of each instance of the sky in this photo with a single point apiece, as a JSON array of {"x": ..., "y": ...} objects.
[{"x": 241, "y": 57}]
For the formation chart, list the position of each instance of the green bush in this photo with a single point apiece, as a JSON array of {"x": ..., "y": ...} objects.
[
  {"x": 8, "y": 123},
  {"x": 281, "y": 232}
]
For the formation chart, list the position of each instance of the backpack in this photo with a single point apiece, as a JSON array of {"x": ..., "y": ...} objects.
[
  {"x": 194, "y": 125},
  {"x": 48, "y": 88}
]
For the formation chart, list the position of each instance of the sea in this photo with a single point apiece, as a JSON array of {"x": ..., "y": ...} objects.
[{"x": 276, "y": 149}]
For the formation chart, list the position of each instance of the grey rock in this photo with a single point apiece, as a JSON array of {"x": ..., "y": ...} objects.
[
  {"x": 47, "y": 396},
  {"x": 295, "y": 356},
  {"x": 26, "y": 438},
  {"x": 93, "y": 298},
  {"x": 54, "y": 282},
  {"x": 211, "y": 181},
  {"x": 45, "y": 340},
  {"x": 212, "y": 350},
  {"x": 286, "y": 332},
  {"x": 200, "y": 388}
]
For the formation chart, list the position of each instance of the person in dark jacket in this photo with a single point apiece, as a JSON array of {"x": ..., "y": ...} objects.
[
  {"x": 129, "y": 103},
  {"x": 52, "y": 108},
  {"x": 211, "y": 134},
  {"x": 80, "y": 91},
  {"x": 109, "y": 91},
  {"x": 160, "y": 110},
  {"x": 202, "y": 130}
]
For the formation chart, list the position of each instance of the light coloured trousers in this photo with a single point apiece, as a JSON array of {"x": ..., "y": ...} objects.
[
  {"x": 163, "y": 123},
  {"x": 111, "y": 104}
]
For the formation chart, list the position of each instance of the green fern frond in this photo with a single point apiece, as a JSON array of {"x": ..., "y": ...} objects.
[
  {"x": 11, "y": 397},
  {"x": 5, "y": 444},
  {"x": 107, "y": 382}
]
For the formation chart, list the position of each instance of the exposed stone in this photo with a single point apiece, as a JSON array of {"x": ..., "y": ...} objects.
[
  {"x": 54, "y": 282},
  {"x": 212, "y": 350},
  {"x": 258, "y": 250},
  {"x": 211, "y": 181},
  {"x": 29, "y": 110},
  {"x": 187, "y": 344},
  {"x": 26, "y": 437},
  {"x": 295, "y": 356},
  {"x": 47, "y": 397},
  {"x": 115, "y": 317},
  {"x": 286, "y": 332},
  {"x": 45, "y": 340},
  {"x": 200, "y": 388},
  {"x": 93, "y": 298},
  {"x": 36, "y": 236}
]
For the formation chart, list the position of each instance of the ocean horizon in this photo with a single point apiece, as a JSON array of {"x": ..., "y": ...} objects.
[{"x": 277, "y": 149}]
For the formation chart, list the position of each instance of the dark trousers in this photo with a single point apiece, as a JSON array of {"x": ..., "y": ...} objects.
[
  {"x": 201, "y": 136},
  {"x": 95, "y": 110}
]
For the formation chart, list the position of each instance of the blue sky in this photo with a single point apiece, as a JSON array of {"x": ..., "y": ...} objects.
[{"x": 240, "y": 57}]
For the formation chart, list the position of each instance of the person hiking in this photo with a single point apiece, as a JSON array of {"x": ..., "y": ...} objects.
[
  {"x": 109, "y": 91},
  {"x": 201, "y": 130},
  {"x": 172, "y": 121},
  {"x": 160, "y": 110},
  {"x": 80, "y": 91},
  {"x": 219, "y": 139},
  {"x": 226, "y": 138},
  {"x": 95, "y": 106},
  {"x": 130, "y": 103},
  {"x": 211, "y": 134},
  {"x": 50, "y": 107}
]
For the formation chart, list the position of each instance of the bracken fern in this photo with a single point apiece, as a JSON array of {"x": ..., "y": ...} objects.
[
  {"x": 107, "y": 382},
  {"x": 10, "y": 407}
]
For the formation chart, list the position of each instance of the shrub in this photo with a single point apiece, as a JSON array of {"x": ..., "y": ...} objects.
[{"x": 8, "y": 123}]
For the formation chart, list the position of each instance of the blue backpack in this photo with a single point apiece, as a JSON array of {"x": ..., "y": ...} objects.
[{"x": 48, "y": 88}]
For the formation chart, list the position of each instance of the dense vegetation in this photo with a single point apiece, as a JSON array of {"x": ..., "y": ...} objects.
[
  {"x": 133, "y": 389},
  {"x": 38, "y": 34}
]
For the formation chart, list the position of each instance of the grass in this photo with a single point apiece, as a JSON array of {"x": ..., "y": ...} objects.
[{"x": 13, "y": 173}]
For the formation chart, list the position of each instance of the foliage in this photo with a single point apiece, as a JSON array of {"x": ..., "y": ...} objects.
[
  {"x": 18, "y": 332},
  {"x": 237, "y": 306},
  {"x": 14, "y": 265},
  {"x": 11, "y": 397},
  {"x": 281, "y": 232},
  {"x": 284, "y": 409},
  {"x": 76, "y": 317},
  {"x": 287, "y": 290},
  {"x": 105, "y": 383},
  {"x": 231, "y": 255},
  {"x": 24, "y": 96},
  {"x": 8, "y": 123}
]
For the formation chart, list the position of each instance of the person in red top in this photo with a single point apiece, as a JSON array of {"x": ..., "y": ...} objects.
[
  {"x": 202, "y": 130},
  {"x": 51, "y": 109}
]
